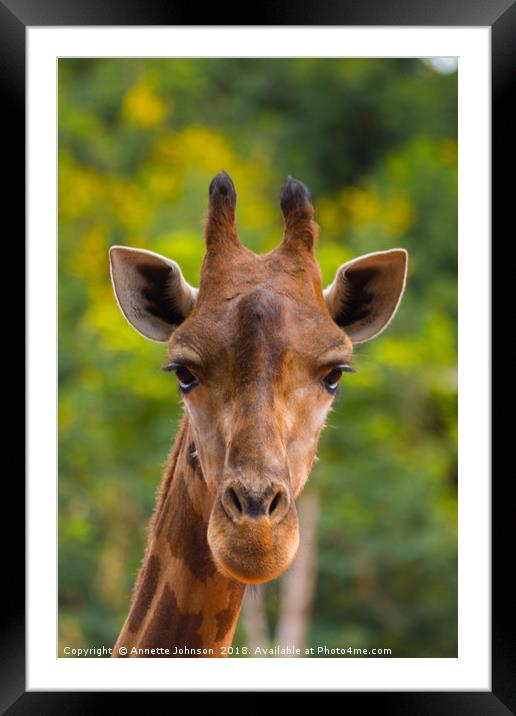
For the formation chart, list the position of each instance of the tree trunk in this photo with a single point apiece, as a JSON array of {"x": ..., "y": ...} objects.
[
  {"x": 254, "y": 621},
  {"x": 297, "y": 585}
]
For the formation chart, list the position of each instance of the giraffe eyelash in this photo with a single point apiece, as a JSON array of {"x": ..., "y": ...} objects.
[{"x": 185, "y": 378}]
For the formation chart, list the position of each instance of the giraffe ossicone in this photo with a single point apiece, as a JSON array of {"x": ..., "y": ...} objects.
[{"x": 258, "y": 350}]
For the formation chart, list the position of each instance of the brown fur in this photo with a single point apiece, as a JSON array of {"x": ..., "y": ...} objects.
[
  {"x": 227, "y": 617},
  {"x": 170, "y": 627},
  {"x": 164, "y": 489},
  {"x": 187, "y": 571},
  {"x": 145, "y": 593},
  {"x": 186, "y": 536}
]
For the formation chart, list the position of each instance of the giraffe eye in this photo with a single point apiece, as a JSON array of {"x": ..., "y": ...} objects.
[
  {"x": 185, "y": 378},
  {"x": 331, "y": 379}
]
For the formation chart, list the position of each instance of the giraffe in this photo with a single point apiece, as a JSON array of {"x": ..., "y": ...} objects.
[{"x": 257, "y": 351}]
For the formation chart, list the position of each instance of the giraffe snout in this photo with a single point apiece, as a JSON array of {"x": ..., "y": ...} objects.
[
  {"x": 240, "y": 503},
  {"x": 253, "y": 531}
]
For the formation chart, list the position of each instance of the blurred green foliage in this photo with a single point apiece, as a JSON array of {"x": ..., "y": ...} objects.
[{"x": 376, "y": 141}]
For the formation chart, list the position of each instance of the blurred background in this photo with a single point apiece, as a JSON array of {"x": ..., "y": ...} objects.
[{"x": 376, "y": 142}]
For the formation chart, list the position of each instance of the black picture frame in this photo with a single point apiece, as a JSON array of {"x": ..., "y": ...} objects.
[{"x": 500, "y": 16}]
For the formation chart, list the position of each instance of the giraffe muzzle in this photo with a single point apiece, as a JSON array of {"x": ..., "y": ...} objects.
[{"x": 253, "y": 533}]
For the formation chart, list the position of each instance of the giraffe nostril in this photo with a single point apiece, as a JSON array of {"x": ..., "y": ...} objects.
[
  {"x": 241, "y": 503},
  {"x": 234, "y": 499},
  {"x": 275, "y": 502}
]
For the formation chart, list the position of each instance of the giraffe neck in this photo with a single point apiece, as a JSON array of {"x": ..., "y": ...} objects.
[{"x": 181, "y": 601}]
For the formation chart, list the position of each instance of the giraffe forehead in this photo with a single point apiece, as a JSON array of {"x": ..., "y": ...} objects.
[
  {"x": 271, "y": 331},
  {"x": 260, "y": 335},
  {"x": 260, "y": 306},
  {"x": 257, "y": 327}
]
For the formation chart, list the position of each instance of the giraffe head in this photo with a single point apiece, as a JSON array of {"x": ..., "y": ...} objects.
[{"x": 258, "y": 351}]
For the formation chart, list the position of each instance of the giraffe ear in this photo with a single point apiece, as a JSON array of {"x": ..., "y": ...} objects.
[
  {"x": 366, "y": 292},
  {"x": 151, "y": 291}
]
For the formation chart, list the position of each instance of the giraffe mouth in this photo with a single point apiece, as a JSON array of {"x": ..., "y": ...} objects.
[{"x": 255, "y": 548}]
